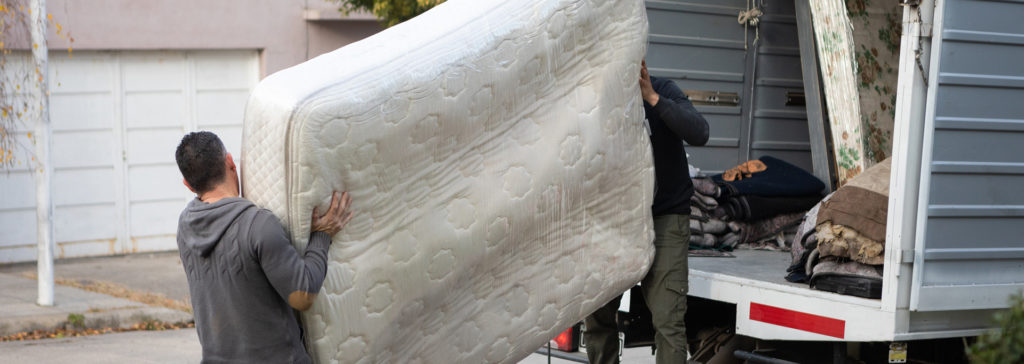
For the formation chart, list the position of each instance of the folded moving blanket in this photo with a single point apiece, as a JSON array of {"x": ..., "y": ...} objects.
[
  {"x": 706, "y": 187},
  {"x": 761, "y": 229},
  {"x": 804, "y": 241},
  {"x": 779, "y": 179},
  {"x": 862, "y": 203},
  {"x": 846, "y": 277},
  {"x": 712, "y": 226},
  {"x": 704, "y": 202},
  {"x": 753, "y": 208},
  {"x": 844, "y": 242},
  {"x": 703, "y": 241}
]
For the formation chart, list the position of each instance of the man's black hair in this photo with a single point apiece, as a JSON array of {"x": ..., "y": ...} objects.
[{"x": 200, "y": 158}]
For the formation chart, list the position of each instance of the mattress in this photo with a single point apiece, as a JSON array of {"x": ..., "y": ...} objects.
[{"x": 500, "y": 171}]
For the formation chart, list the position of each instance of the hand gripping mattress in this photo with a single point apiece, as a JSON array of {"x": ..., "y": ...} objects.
[{"x": 500, "y": 172}]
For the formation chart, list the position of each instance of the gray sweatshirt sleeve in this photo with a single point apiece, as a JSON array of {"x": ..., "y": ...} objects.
[
  {"x": 296, "y": 278},
  {"x": 678, "y": 113}
]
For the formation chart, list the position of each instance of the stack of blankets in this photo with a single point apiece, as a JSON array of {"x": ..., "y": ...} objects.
[
  {"x": 845, "y": 234},
  {"x": 758, "y": 204}
]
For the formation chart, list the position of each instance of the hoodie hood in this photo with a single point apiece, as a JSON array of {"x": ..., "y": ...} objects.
[{"x": 201, "y": 225}]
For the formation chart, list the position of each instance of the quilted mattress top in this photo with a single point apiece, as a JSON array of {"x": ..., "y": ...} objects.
[{"x": 500, "y": 171}]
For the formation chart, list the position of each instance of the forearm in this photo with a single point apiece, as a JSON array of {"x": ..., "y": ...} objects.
[
  {"x": 315, "y": 260},
  {"x": 298, "y": 278},
  {"x": 684, "y": 120}
]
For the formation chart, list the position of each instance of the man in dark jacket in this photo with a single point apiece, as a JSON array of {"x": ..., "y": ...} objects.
[
  {"x": 244, "y": 276},
  {"x": 672, "y": 119}
]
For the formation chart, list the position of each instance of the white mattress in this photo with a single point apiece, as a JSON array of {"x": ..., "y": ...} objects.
[{"x": 500, "y": 171}]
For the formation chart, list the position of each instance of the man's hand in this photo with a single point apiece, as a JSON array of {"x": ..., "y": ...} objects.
[
  {"x": 646, "y": 89},
  {"x": 336, "y": 217}
]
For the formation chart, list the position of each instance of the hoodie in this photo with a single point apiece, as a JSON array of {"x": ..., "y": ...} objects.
[
  {"x": 244, "y": 278},
  {"x": 673, "y": 120}
]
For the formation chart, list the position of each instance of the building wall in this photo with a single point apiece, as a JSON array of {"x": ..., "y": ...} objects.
[
  {"x": 279, "y": 29},
  {"x": 143, "y": 73}
]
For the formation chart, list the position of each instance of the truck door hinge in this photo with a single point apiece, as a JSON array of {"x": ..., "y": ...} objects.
[{"x": 907, "y": 256}]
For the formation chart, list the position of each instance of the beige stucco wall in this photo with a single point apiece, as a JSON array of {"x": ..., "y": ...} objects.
[{"x": 278, "y": 28}]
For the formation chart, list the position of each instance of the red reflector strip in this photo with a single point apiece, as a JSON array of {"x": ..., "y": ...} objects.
[{"x": 798, "y": 320}]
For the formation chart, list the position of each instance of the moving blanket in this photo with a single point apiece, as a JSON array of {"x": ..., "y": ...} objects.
[
  {"x": 500, "y": 171},
  {"x": 780, "y": 179},
  {"x": 863, "y": 203}
]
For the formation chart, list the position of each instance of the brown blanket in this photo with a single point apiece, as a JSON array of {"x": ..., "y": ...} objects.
[{"x": 862, "y": 204}]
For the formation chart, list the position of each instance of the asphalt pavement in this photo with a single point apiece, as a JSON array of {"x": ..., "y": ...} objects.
[
  {"x": 121, "y": 291},
  {"x": 171, "y": 346}
]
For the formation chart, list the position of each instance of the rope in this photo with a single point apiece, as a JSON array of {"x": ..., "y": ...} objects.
[{"x": 750, "y": 17}]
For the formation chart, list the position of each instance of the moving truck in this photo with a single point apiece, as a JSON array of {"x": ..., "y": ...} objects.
[{"x": 954, "y": 244}]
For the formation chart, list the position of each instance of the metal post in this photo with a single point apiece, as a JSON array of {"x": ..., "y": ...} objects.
[{"x": 43, "y": 167}]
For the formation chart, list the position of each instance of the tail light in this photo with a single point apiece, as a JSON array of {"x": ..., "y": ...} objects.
[{"x": 568, "y": 340}]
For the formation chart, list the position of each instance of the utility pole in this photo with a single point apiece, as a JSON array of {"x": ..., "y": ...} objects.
[{"x": 43, "y": 167}]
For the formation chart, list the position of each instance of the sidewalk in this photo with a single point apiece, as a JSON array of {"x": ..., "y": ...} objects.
[
  {"x": 153, "y": 281},
  {"x": 115, "y": 292}
]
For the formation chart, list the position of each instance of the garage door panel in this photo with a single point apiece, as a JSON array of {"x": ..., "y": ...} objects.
[
  {"x": 232, "y": 138},
  {"x": 80, "y": 149},
  {"x": 155, "y": 218},
  {"x": 162, "y": 182},
  {"x": 223, "y": 70},
  {"x": 90, "y": 111},
  {"x": 117, "y": 118},
  {"x": 83, "y": 73},
  {"x": 88, "y": 248},
  {"x": 226, "y": 107},
  {"x": 23, "y": 253},
  {"x": 153, "y": 146},
  {"x": 19, "y": 227},
  {"x": 84, "y": 187},
  {"x": 156, "y": 109},
  {"x": 154, "y": 71},
  {"x": 18, "y": 191},
  {"x": 79, "y": 223}
]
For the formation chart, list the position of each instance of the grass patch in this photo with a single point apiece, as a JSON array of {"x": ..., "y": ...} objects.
[
  {"x": 151, "y": 325},
  {"x": 119, "y": 291}
]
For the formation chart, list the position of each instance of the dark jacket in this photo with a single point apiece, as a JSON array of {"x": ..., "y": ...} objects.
[
  {"x": 672, "y": 121},
  {"x": 242, "y": 271}
]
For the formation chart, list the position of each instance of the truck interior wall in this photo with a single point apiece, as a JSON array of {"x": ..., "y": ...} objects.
[{"x": 700, "y": 45}]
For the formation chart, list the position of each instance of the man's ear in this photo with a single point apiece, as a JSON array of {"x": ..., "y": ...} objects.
[
  {"x": 188, "y": 185},
  {"x": 229, "y": 162}
]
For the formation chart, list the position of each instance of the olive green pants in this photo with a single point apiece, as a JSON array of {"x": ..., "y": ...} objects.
[{"x": 664, "y": 288}]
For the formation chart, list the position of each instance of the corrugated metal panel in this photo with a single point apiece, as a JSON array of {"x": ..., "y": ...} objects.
[
  {"x": 700, "y": 45},
  {"x": 972, "y": 252},
  {"x": 777, "y": 129}
]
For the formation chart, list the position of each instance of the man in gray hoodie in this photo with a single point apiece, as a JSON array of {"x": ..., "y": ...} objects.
[{"x": 244, "y": 276}]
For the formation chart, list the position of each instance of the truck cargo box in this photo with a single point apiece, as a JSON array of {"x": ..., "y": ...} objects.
[{"x": 954, "y": 251}]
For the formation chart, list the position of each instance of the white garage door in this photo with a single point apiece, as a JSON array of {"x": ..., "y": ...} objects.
[{"x": 117, "y": 118}]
